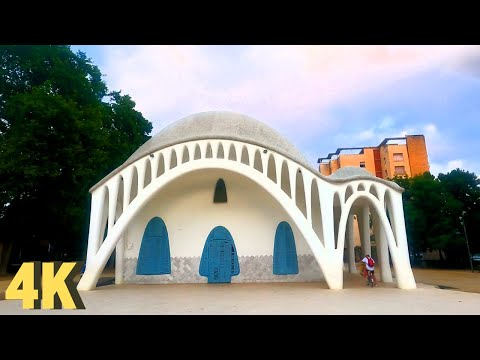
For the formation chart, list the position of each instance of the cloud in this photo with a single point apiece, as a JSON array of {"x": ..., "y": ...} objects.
[
  {"x": 277, "y": 84},
  {"x": 437, "y": 168},
  {"x": 386, "y": 123}
]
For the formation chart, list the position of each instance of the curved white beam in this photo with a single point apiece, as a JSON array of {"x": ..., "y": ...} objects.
[{"x": 329, "y": 258}]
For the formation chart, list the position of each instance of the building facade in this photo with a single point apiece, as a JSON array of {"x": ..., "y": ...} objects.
[
  {"x": 398, "y": 156},
  {"x": 219, "y": 197}
]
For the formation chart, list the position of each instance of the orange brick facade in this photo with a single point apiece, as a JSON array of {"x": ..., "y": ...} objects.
[
  {"x": 384, "y": 161},
  {"x": 417, "y": 150}
]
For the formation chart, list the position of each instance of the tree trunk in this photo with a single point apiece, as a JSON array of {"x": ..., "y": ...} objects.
[{"x": 6, "y": 251}]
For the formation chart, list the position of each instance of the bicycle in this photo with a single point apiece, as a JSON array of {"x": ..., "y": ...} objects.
[{"x": 370, "y": 281}]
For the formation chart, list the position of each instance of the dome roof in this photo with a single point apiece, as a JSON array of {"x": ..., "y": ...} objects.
[
  {"x": 350, "y": 172},
  {"x": 219, "y": 125},
  {"x": 233, "y": 126}
]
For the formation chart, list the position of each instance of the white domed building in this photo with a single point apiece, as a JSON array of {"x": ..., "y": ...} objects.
[{"x": 220, "y": 197}]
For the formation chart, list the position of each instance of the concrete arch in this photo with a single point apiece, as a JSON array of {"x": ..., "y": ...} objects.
[
  {"x": 185, "y": 155},
  {"x": 337, "y": 211},
  {"x": 232, "y": 154},
  {"x": 317, "y": 222},
  {"x": 330, "y": 266},
  {"x": 209, "y": 152},
  {"x": 285, "y": 179},
  {"x": 348, "y": 192},
  {"x": 374, "y": 191},
  {"x": 272, "y": 169},
  {"x": 120, "y": 196},
  {"x": 148, "y": 173},
  {"x": 220, "y": 152},
  {"x": 105, "y": 212},
  {"x": 173, "y": 159},
  {"x": 197, "y": 154},
  {"x": 134, "y": 184},
  {"x": 257, "y": 162},
  {"x": 161, "y": 165},
  {"x": 300, "y": 192},
  {"x": 401, "y": 262},
  {"x": 389, "y": 211},
  {"x": 244, "y": 158}
]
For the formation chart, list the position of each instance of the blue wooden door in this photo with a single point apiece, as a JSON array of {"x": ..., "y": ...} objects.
[
  {"x": 154, "y": 255},
  {"x": 219, "y": 258},
  {"x": 284, "y": 251}
]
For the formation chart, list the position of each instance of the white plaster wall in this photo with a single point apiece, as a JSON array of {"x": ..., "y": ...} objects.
[{"x": 250, "y": 215}]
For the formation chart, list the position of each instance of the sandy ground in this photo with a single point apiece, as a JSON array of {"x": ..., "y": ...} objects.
[{"x": 281, "y": 298}]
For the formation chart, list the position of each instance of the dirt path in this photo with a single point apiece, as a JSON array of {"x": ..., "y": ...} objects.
[{"x": 461, "y": 280}]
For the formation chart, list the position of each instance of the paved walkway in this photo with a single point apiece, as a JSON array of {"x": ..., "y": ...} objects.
[{"x": 279, "y": 298}]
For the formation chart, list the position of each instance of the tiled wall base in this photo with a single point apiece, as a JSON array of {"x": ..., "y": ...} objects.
[{"x": 252, "y": 269}]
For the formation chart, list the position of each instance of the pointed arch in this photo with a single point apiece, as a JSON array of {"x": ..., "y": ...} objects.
[
  {"x": 219, "y": 260},
  {"x": 186, "y": 155},
  {"x": 220, "y": 152},
  {"x": 337, "y": 211},
  {"x": 232, "y": 155},
  {"x": 220, "y": 194},
  {"x": 173, "y": 159},
  {"x": 244, "y": 158},
  {"x": 300, "y": 193},
  {"x": 348, "y": 192},
  {"x": 161, "y": 165},
  {"x": 106, "y": 205},
  {"x": 148, "y": 173},
  {"x": 389, "y": 212},
  {"x": 317, "y": 222},
  {"x": 197, "y": 154},
  {"x": 285, "y": 180},
  {"x": 209, "y": 152},
  {"x": 374, "y": 191},
  {"x": 285, "y": 261},
  {"x": 154, "y": 253},
  {"x": 257, "y": 163},
  {"x": 271, "y": 169},
  {"x": 134, "y": 186},
  {"x": 400, "y": 258},
  {"x": 120, "y": 196}
]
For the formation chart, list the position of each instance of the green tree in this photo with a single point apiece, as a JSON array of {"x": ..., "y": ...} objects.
[
  {"x": 464, "y": 187},
  {"x": 60, "y": 132},
  {"x": 429, "y": 214}
]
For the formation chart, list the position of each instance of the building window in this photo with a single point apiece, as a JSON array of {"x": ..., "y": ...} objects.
[
  {"x": 399, "y": 170},
  {"x": 386, "y": 174},
  {"x": 220, "y": 195},
  {"x": 397, "y": 156},
  {"x": 362, "y": 164},
  {"x": 385, "y": 161}
]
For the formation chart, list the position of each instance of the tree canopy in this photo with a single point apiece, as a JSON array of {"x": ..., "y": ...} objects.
[
  {"x": 434, "y": 211},
  {"x": 61, "y": 131}
]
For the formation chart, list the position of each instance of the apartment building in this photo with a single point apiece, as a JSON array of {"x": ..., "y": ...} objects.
[{"x": 393, "y": 156}]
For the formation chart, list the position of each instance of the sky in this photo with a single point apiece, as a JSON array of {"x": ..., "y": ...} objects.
[{"x": 319, "y": 97}]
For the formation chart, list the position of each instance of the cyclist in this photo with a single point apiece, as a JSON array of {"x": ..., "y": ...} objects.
[{"x": 370, "y": 266}]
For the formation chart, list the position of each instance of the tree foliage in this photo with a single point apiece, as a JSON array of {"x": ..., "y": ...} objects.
[
  {"x": 433, "y": 208},
  {"x": 60, "y": 132}
]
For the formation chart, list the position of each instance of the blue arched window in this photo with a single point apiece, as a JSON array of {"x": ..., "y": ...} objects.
[
  {"x": 284, "y": 251},
  {"x": 154, "y": 255}
]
